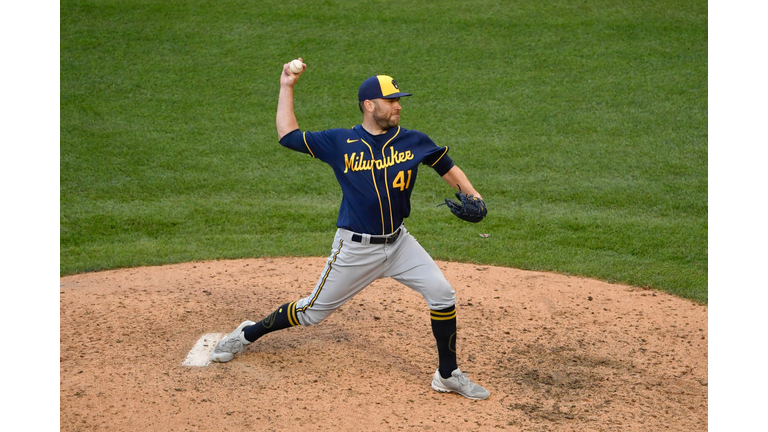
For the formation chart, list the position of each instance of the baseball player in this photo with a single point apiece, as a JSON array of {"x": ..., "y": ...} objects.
[{"x": 376, "y": 164}]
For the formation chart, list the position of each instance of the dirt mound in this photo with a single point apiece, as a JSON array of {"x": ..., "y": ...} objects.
[{"x": 556, "y": 353}]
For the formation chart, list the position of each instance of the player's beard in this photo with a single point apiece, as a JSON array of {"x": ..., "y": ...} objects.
[{"x": 386, "y": 122}]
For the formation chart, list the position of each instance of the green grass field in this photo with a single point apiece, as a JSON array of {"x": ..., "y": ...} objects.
[{"x": 582, "y": 123}]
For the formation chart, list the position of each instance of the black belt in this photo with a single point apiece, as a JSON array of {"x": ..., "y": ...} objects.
[{"x": 378, "y": 240}]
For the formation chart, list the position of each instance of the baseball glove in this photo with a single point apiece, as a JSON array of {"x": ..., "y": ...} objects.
[{"x": 469, "y": 208}]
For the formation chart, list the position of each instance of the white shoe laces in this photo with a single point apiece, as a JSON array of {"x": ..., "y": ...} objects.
[{"x": 463, "y": 380}]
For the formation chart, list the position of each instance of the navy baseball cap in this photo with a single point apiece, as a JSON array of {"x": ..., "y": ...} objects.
[{"x": 379, "y": 86}]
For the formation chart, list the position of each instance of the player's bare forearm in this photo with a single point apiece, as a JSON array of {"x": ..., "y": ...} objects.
[
  {"x": 286, "y": 119},
  {"x": 458, "y": 180}
]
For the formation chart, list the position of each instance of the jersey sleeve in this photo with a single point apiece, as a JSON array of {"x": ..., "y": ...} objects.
[
  {"x": 294, "y": 140},
  {"x": 319, "y": 145},
  {"x": 437, "y": 157}
]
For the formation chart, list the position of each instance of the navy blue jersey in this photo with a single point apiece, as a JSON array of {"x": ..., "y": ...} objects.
[{"x": 377, "y": 173}]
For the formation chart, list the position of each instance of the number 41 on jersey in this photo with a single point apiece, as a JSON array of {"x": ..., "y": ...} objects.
[{"x": 400, "y": 181}]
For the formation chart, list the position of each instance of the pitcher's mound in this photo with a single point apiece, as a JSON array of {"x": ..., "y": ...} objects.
[{"x": 556, "y": 353}]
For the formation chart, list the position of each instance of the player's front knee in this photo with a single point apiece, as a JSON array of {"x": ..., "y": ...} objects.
[
  {"x": 445, "y": 291},
  {"x": 441, "y": 296}
]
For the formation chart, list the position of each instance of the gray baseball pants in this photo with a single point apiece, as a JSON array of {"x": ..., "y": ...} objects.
[{"x": 354, "y": 265}]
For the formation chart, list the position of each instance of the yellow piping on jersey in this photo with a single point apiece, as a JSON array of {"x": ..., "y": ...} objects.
[
  {"x": 390, "y": 140},
  {"x": 386, "y": 182},
  {"x": 441, "y": 156},
  {"x": 373, "y": 176},
  {"x": 389, "y": 199},
  {"x": 304, "y": 135}
]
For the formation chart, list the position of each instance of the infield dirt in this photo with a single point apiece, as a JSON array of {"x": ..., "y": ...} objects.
[{"x": 557, "y": 353}]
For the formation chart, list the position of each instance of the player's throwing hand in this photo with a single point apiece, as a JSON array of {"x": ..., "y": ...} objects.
[{"x": 291, "y": 71}]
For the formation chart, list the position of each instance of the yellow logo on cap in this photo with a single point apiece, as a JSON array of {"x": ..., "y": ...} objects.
[{"x": 388, "y": 85}]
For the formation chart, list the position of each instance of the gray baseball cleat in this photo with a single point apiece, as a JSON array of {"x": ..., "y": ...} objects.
[
  {"x": 459, "y": 383},
  {"x": 231, "y": 344}
]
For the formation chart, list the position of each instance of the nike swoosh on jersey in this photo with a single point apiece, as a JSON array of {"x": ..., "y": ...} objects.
[{"x": 351, "y": 140}]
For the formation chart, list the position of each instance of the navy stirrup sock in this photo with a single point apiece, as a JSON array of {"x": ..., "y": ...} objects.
[
  {"x": 444, "y": 329},
  {"x": 283, "y": 317}
]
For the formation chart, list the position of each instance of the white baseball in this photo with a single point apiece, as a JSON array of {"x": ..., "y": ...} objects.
[{"x": 296, "y": 66}]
